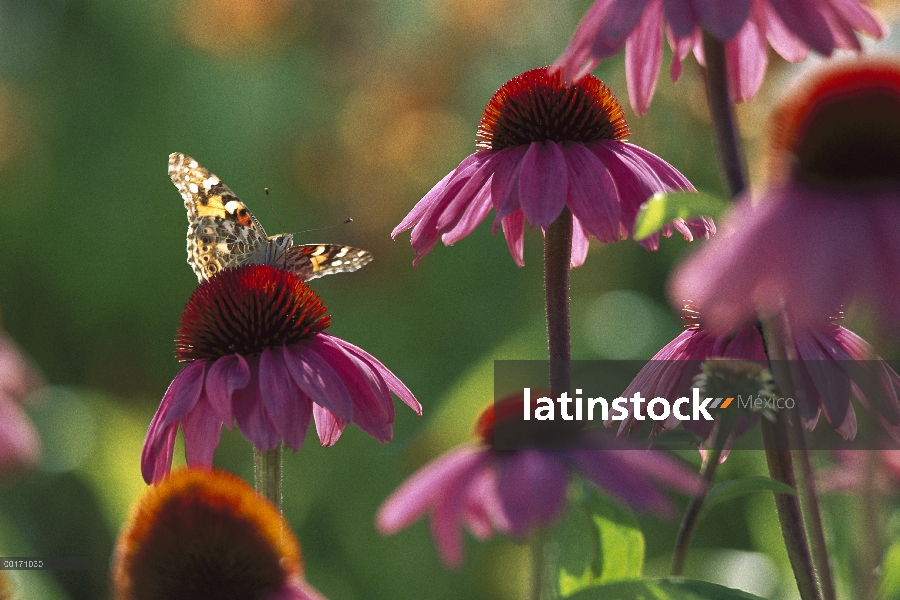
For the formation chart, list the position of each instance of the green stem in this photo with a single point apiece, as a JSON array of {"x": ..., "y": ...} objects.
[
  {"x": 538, "y": 564},
  {"x": 557, "y": 254},
  {"x": 267, "y": 474}
]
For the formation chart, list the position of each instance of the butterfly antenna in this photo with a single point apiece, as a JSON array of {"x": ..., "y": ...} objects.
[
  {"x": 345, "y": 222},
  {"x": 272, "y": 208}
]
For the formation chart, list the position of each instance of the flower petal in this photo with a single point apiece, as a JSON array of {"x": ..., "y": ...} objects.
[
  {"x": 681, "y": 17},
  {"x": 250, "y": 412},
  {"x": 328, "y": 427},
  {"x": 514, "y": 232},
  {"x": 806, "y": 22},
  {"x": 543, "y": 183},
  {"x": 288, "y": 408},
  {"x": 317, "y": 379},
  {"x": 532, "y": 488},
  {"x": 580, "y": 244},
  {"x": 226, "y": 375},
  {"x": 643, "y": 57},
  {"x": 202, "y": 429},
  {"x": 747, "y": 56},
  {"x": 183, "y": 392},
  {"x": 593, "y": 197},
  {"x": 156, "y": 455},
  {"x": 722, "y": 19}
]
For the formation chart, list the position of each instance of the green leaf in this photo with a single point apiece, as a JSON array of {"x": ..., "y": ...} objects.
[
  {"x": 741, "y": 486},
  {"x": 665, "y": 208},
  {"x": 673, "y": 588},
  {"x": 889, "y": 589},
  {"x": 615, "y": 540}
]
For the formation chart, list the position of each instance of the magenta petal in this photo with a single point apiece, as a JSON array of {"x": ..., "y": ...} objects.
[
  {"x": 543, "y": 183},
  {"x": 747, "y": 56},
  {"x": 806, "y": 22},
  {"x": 183, "y": 392},
  {"x": 580, "y": 244},
  {"x": 681, "y": 17},
  {"x": 282, "y": 398},
  {"x": 159, "y": 445},
  {"x": 610, "y": 471},
  {"x": 859, "y": 17},
  {"x": 475, "y": 182},
  {"x": 783, "y": 41},
  {"x": 505, "y": 181},
  {"x": 723, "y": 19},
  {"x": 610, "y": 22},
  {"x": 392, "y": 381},
  {"x": 514, "y": 232},
  {"x": 474, "y": 213},
  {"x": 317, "y": 379},
  {"x": 227, "y": 374},
  {"x": 410, "y": 501},
  {"x": 202, "y": 430},
  {"x": 250, "y": 412},
  {"x": 680, "y": 48},
  {"x": 20, "y": 445},
  {"x": 532, "y": 488},
  {"x": 593, "y": 198},
  {"x": 368, "y": 412},
  {"x": 643, "y": 58},
  {"x": 328, "y": 427}
]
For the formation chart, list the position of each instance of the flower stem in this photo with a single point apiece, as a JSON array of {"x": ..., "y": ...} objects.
[
  {"x": 692, "y": 514},
  {"x": 722, "y": 112},
  {"x": 267, "y": 474},
  {"x": 538, "y": 564},
  {"x": 557, "y": 254}
]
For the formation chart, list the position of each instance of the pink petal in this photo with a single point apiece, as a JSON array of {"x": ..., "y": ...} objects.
[
  {"x": 543, "y": 183},
  {"x": 806, "y": 22},
  {"x": 328, "y": 427},
  {"x": 474, "y": 213},
  {"x": 250, "y": 413},
  {"x": 593, "y": 198},
  {"x": 156, "y": 455},
  {"x": 580, "y": 244},
  {"x": 202, "y": 429},
  {"x": 723, "y": 19},
  {"x": 20, "y": 446},
  {"x": 680, "y": 48},
  {"x": 514, "y": 232},
  {"x": 532, "y": 488},
  {"x": 860, "y": 18},
  {"x": 392, "y": 381},
  {"x": 747, "y": 56},
  {"x": 475, "y": 182},
  {"x": 183, "y": 392},
  {"x": 643, "y": 57},
  {"x": 505, "y": 182},
  {"x": 226, "y": 375},
  {"x": 681, "y": 17},
  {"x": 317, "y": 379},
  {"x": 784, "y": 42},
  {"x": 289, "y": 409}
]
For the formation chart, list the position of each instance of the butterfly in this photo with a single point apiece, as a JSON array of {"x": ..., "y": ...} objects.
[{"x": 222, "y": 232}]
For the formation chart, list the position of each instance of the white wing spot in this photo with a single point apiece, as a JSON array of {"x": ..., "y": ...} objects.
[
  {"x": 342, "y": 253},
  {"x": 233, "y": 206},
  {"x": 319, "y": 250},
  {"x": 336, "y": 263},
  {"x": 207, "y": 185},
  {"x": 193, "y": 187},
  {"x": 193, "y": 164}
]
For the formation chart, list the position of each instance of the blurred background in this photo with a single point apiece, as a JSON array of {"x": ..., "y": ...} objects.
[{"x": 342, "y": 108}]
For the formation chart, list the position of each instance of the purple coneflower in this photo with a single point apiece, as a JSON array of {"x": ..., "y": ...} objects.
[
  {"x": 747, "y": 28},
  {"x": 20, "y": 446},
  {"x": 826, "y": 229},
  {"x": 833, "y": 364},
  {"x": 203, "y": 534},
  {"x": 544, "y": 147},
  {"x": 257, "y": 354},
  {"x": 515, "y": 492}
]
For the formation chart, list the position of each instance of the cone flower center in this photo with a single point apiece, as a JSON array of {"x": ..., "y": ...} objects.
[
  {"x": 246, "y": 310},
  {"x": 537, "y": 107},
  {"x": 844, "y": 128}
]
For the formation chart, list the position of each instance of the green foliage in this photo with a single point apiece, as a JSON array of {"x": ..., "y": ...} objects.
[
  {"x": 664, "y": 208},
  {"x": 673, "y": 588},
  {"x": 608, "y": 547},
  {"x": 742, "y": 486},
  {"x": 890, "y": 578}
]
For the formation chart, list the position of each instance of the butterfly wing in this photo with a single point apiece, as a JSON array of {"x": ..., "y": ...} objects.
[
  {"x": 317, "y": 260},
  {"x": 222, "y": 232}
]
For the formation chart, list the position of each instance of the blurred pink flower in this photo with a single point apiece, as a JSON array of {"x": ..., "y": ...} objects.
[
  {"x": 544, "y": 147},
  {"x": 826, "y": 230},
  {"x": 851, "y": 472},
  {"x": 828, "y": 387},
  {"x": 205, "y": 534},
  {"x": 253, "y": 338},
  {"x": 514, "y": 492},
  {"x": 20, "y": 446},
  {"x": 748, "y": 27}
]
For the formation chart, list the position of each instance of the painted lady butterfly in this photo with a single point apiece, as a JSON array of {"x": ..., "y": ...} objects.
[{"x": 222, "y": 232}]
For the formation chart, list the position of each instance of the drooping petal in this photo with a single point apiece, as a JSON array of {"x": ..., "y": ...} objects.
[
  {"x": 860, "y": 18},
  {"x": 250, "y": 413},
  {"x": 328, "y": 427},
  {"x": 288, "y": 408},
  {"x": 475, "y": 182},
  {"x": 806, "y": 22},
  {"x": 722, "y": 19},
  {"x": 681, "y": 17},
  {"x": 394, "y": 383},
  {"x": 609, "y": 470},
  {"x": 505, "y": 182},
  {"x": 747, "y": 56},
  {"x": 183, "y": 392},
  {"x": 593, "y": 198},
  {"x": 543, "y": 183},
  {"x": 227, "y": 374},
  {"x": 473, "y": 214},
  {"x": 156, "y": 455},
  {"x": 514, "y": 232},
  {"x": 317, "y": 379},
  {"x": 202, "y": 429},
  {"x": 783, "y": 41},
  {"x": 580, "y": 244},
  {"x": 20, "y": 445},
  {"x": 532, "y": 488},
  {"x": 643, "y": 57}
]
